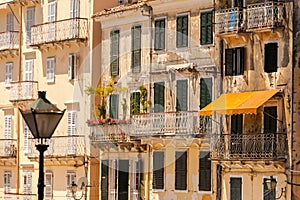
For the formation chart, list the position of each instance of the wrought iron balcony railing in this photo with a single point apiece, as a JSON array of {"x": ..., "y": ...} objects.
[
  {"x": 229, "y": 20},
  {"x": 23, "y": 90},
  {"x": 59, "y": 31},
  {"x": 9, "y": 40},
  {"x": 8, "y": 148},
  {"x": 265, "y": 15},
  {"x": 169, "y": 123},
  {"x": 266, "y": 146},
  {"x": 60, "y": 146},
  {"x": 11, "y": 196}
]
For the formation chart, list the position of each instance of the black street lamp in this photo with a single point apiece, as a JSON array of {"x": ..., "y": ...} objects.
[{"x": 42, "y": 118}]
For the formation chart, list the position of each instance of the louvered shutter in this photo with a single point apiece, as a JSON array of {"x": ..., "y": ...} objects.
[
  {"x": 159, "y": 97},
  {"x": 72, "y": 66},
  {"x": 27, "y": 182},
  {"x": 114, "y": 106},
  {"x": 228, "y": 62},
  {"x": 27, "y": 134},
  {"x": 182, "y": 31},
  {"x": 271, "y": 56},
  {"x": 9, "y": 22},
  {"x": 235, "y": 188},
  {"x": 8, "y": 73},
  {"x": 158, "y": 170},
  {"x": 104, "y": 179},
  {"x": 206, "y": 28},
  {"x": 74, "y": 8},
  {"x": 30, "y": 20},
  {"x": 7, "y": 181},
  {"x": 159, "y": 40},
  {"x": 205, "y": 91},
  {"x": 7, "y": 134},
  {"x": 181, "y": 95},
  {"x": 50, "y": 69},
  {"x": 136, "y": 49},
  {"x": 48, "y": 185},
  {"x": 181, "y": 171},
  {"x": 204, "y": 171},
  {"x": 114, "y": 52},
  {"x": 71, "y": 177},
  {"x": 240, "y": 60},
  {"x": 72, "y": 122}
]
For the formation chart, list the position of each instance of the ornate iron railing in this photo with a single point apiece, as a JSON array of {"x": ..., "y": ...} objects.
[
  {"x": 23, "y": 90},
  {"x": 11, "y": 196},
  {"x": 9, "y": 40},
  {"x": 58, "y": 31},
  {"x": 265, "y": 146},
  {"x": 168, "y": 123},
  {"x": 229, "y": 20},
  {"x": 60, "y": 146},
  {"x": 265, "y": 15},
  {"x": 8, "y": 148}
]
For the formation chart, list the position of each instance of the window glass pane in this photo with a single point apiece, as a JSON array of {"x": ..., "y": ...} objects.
[
  {"x": 235, "y": 188},
  {"x": 271, "y": 56}
]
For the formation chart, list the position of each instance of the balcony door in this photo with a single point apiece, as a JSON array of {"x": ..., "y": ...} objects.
[
  {"x": 74, "y": 15},
  {"x": 28, "y": 93},
  {"x": 51, "y": 20},
  {"x": 236, "y": 134},
  {"x": 270, "y": 129},
  {"x": 72, "y": 118}
]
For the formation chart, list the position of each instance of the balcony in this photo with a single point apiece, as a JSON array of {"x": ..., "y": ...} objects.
[
  {"x": 265, "y": 15},
  {"x": 249, "y": 146},
  {"x": 75, "y": 29},
  {"x": 8, "y": 148},
  {"x": 229, "y": 20},
  {"x": 12, "y": 196},
  {"x": 9, "y": 41},
  {"x": 23, "y": 91},
  {"x": 60, "y": 147}
]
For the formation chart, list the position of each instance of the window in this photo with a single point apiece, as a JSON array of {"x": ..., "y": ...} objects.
[
  {"x": 270, "y": 119},
  {"x": 158, "y": 170},
  {"x": 9, "y": 22},
  {"x": 159, "y": 40},
  {"x": 51, "y": 11},
  {"x": 114, "y": 52},
  {"x": 181, "y": 170},
  {"x": 181, "y": 95},
  {"x": 234, "y": 61},
  {"x": 205, "y": 91},
  {"x": 27, "y": 182},
  {"x": 182, "y": 31},
  {"x": 50, "y": 69},
  {"x": 8, "y": 73},
  {"x": 271, "y": 56},
  {"x": 159, "y": 97},
  {"x": 269, "y": 193},
  {"x": 8, "y": 127},
  {"x": 74, "y": 9},
  {"x": 30, "y": 20},
  {"x": 235, "y": 188},
  {"x": 135, "y": 103},
  {"x": 237, "y": 124},
  {"x": 72, "y": 66},
  {"x": 28, "y": 77},
  {"x": 206, "y": 34},
  {"x": 48, "y": 185},
  {"x": 123, "y": 179},
  {"x": 72, "y": 122},
  {"x": 135, "y": 178},
  {"x": 204, "y": 171},
  {"x": 114, "y": 106},
  {"x": 71, "y": 177},
  {"x": 236, "y": 134},
  {"x": 136, "y": 52},
  {"x": 104, "y": 179},
  {"x": 27, "y": 134},
  {"x": 7, "y": 181}
]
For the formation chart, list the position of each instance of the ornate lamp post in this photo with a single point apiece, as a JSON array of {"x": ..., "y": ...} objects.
[{"x": 42, "y": 118}]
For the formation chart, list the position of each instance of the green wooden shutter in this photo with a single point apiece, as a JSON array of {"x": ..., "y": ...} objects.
[
  {"x": 114, "y": 106},
  {"x": 271, "y": 57},
  {"x": 205, "y": 91},
  {"x": 159, "y": 97},
  {"x": 136, "y": 49},
  {"x": 204, "y": 171},
  {"x": 181, "y": 95},
  {"x": 235, "y": 188},
  {"x": 104, "y": 179},
  {"x": 228, "y": 62},
  {"x": 181, "y": 170},
  {"x": 182, "y": 31},
  {"x": 114, "y": 52},
  {"x": 206, "y": 28},
  {"x": 158, "y": 170},
  {"x": 159, "y": 40}
]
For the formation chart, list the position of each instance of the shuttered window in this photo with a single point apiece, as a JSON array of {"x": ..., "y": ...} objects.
[
  {"x": 271, "y": 56},
  {"x": 9, "y": 22},
  {"x": 136, "y": 52},
  {"x": 50, "y": 69},
  {"x": 205, "y": 91},
  {"x": 74, "y": 9},
  {"x": 114, "y": 106},
  {"x": 51, "y": 11},
  {"x": 237, "y": 124},
  {"x": 181, "y": 95},
  {"x": 158, "y": 170},
  {"x": 182, "y": 31},
  {"x": 27, "y": 182},
  {"x": 71, "y": 177},
  {"x": 159, "y": 97},
  {"x": 159, "y": 40},
  {"x": 8, "y": 73},
  {"x": 48, "y": 185},
  {"x": 135, "y": 103},
  {"x": 7, "y": 181},
  {"x": 30, "y": 20},
  {"x": 270, "y": 119},
  {"x": 235, "y": 188},
  {"x": 104, "y": 179},
  {"x": 27, "y": 134},
  {"x": 269, "y": 193},
  {"x": 123, "y": 178},
  {"x": 8, "y": 127},
  {"x": 234, "y": 61},
  {"x": 204, "y": 171},
  {"x": 72, "y": 66},
  {"x": 72, "y": 123},
  {"x": 114, "y": 52},
  {"x": 206, "y": 34},
  {"x": 181, "y": 170}
]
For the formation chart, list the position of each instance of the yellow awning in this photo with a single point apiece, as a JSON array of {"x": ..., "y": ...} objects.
[{"x": 238, "y": 103}]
